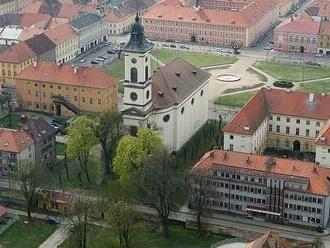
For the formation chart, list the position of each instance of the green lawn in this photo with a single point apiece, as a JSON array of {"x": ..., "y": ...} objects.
[
  {"x": 293, "y": 72},
  {"x": 16, "y": 124},
  {"x": 60, "y": 148},
  {"x": 235, "y": 100},
  {"x": 21, "y": 235},
  {"x": 196, "y": 59},
  {"x": 180, "y": 237},
  {"x": 316, "y": 87}
]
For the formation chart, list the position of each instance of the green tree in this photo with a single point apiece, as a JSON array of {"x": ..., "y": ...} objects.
[
  {"x": 318, "y": 243},
  {"x": 131, "y": 152},
  {"x": 156, "y": 184},
  {"x": 31, "y": 178},
  {"x": 108, "y": 131},
  {"x": 81, "y": 140}
]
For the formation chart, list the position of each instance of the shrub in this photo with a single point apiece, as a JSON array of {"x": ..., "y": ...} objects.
[{"x": 283, "y": 84}]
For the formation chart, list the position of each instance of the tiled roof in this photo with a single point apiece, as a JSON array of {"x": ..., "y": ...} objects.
[
  {"x": 3, "y": 211},
  {"x": 85, "y": 21},
  {"x": 280, "y": 102},
  {"x": 29, "y": 19},
  {"x": 32, "y": 7},
  {"x": 10, "y": 19},
  {"x": 318, "y": 177},
  {"x": 267, "y": 240},
  {"x": 324, "y": 136},
  {"x": 17, "y": 53},
  {"x": 299, "y": 24},
  {"x": 175, "y": 82},
  {"x": 325, "y": 28},
  {"x": 40, "y": 129},
  {"x": 65, "y": 74},
  {"x": 61, "y": 34},
  {"x": 250, "y": 14},
  {"x": 40, "y": 44},
  {"x": 14, "y": 140}
]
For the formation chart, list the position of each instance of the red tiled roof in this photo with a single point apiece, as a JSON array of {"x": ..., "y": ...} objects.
[
  {"x": 64, "y": 74},
  {"x": 280, "y": 102},
  {"x": 61, "y": 34},
  {"x": 317, "y": 175},
  {"x": 3, "y": 211},
  {"x": 17, "y": 53},
  {"x": 303, "y": 23},
  {"x": 28, "y": 19},
  {"x": 14, "y": 140},
  {"x": 250, "y": 14},
  {"x": 32, "y": 7},
  {"x": 324, "y": 136}
]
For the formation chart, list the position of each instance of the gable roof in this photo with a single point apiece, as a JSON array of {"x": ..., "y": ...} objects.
[
  {"x": 302, "y": 23},
  {"x": 17, "y": 53},
  {"x": 40, "y": 129},
  {"x": 268, "y": 240},
  {"x": 174, "y": 82},
  {"x": 40, "y": 44},
  {"x": 85, "y": 21},
  {"x": 280, "y": 102},
  {"x": 324, "y": 136},
  {"x": 14, "y": 140},
  {"x": 61, "y": 34}
]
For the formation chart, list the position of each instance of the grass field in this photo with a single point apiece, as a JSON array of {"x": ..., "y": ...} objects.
[
  {"x": 293, "y": 72},
  {"x": 316, "y": 87},
  {"x": 235, "y": 100},
  {"x": 21, "y": 235},
  {"x": 196, "y": 59},
  {"x": 180, "y": 237},
  {"x": 16, "y": 124}
]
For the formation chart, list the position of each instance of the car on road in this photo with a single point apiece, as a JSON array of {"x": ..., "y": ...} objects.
[
  {"x": 93, "y": 62},
  {"x": 53, "y": 220},
  {"x": 165, "y": 45},
  {"x": 111, "y": 51},
  {"x": 82, "y": 60},
  {"x": 172, "y": 45},
  {"x": 268, "y": 48},
  {"x": 122, "y": 43},
  {"x": 184, "y": 47},
  {"x": 102, "y": 57}
]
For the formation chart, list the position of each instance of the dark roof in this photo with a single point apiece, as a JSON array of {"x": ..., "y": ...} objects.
[
  {"x": 175, "y": 82},
  {"x": 312, "y": 11},
  {"x": 137, "y": 42},
  {"x": 85, "y": 21},
  {"x": 40, "y": 44},
  {"x": 10, "y": 19},
  {"x": 50, "y": 7},
  {"x": 40, "y": 129}
]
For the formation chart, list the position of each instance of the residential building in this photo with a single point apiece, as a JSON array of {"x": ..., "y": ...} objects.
[
  {"x": 9, "y": 36},
  {"x": 14, "y": 60},
  {"x": 211, "y": 26},
  {"x": 319, "y": 10},
  {"x": 300, "y": 33},
  {"x": 25, "y": 21},
  {"x": 91, "y": 30},
  {"x": 274, "y": 189},
  {"x": 174, "y": 99},
  {"x": 66, "y": 41},
  {"x": 44, "y": 139},
  {"x": 43, "y": 47},
  {"x": 55, "y": 201},
  {"x": 15, "y": 145},
  {"x": 324, "y": 38},
  {"x": 284, "y": 120},
  {"x": 64, "y": 90}
]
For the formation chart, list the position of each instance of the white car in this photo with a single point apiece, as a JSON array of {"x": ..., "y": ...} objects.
[
  {"x": 100, "y": 59},
  {"x": 82, "y": 60}
]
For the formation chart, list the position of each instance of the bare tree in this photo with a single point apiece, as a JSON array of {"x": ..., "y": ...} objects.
[
  {"x": 200, "y": 193},
  {"x": 236, "y": 46}
]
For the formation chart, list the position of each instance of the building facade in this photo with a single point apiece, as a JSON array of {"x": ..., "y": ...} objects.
[
  {"x": 278, "y": 190},
  {"x": 64, "y": 90},
  {"x": 271, "y": 119},
  {"x": 15, "y": 145},
  {"x": 174, "y": 99},
  {"x": 12, "y": 6},
  {"x": 324, "y": 38}
]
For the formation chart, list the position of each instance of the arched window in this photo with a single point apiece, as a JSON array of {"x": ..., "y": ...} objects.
[
  {"x": 134, "y": 75},
  {"x": 147, "y": 73}
]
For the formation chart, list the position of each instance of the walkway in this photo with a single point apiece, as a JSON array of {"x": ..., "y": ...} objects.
[{"x": 57, "y": 238}]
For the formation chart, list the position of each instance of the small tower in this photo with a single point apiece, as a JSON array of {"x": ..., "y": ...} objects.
[{"x": 137, "y": 85}]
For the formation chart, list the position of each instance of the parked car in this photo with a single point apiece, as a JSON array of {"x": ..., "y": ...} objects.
[
  {"x": 172, "y": 45},
  {"x": 102, "y": 57},
  {"x": 165, "y": 45},
  {"x": 93, "y": 62},
  {"x": 82, "y": 60},
  {"x": 111, "y": 51},
  {"x": 99, "y": 59},
  {"x": 53, "y": 221},
  {"x": 122, "y": 43},
  {"x": 184, "y": 47}
]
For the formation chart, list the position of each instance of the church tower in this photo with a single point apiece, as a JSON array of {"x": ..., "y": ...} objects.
[{"x": 137, "y": 85}]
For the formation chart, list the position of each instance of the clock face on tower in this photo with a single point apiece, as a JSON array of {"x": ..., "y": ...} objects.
[
  {"x": 134, "y": 60},
  {"x": 133, "y": 96}
]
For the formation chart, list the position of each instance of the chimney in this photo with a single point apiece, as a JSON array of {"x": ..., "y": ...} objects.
[
  {"x": 35, "y": 64},
  {"x": 75, "y": 69},
  {"x": 248, "y": 160},
  {"x": 311, "y": 97}
]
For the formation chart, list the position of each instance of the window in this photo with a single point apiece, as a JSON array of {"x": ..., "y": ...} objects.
[
  {"x": 270, "y": 128},
  {"x": 307, "y": 132},
  {"x": 192, "y": 101},
  {"x": 317, "y": 132},
  {"x": 148, "y": 94},
  {"x": 287, "y": 119},
  {"x": 202, "y": 92},
  {"x": 59, "y": 87},
  {"x": 231, "y": 147},
  {"x": 271, "y": 117},
  {"x": 231, "y": 137},
  {"x": 317, "y": 123},
  {"x": 278, "y": 129},
  {"x": 83, "y": 99},
  {"x": 278, "y": 118},
  {"x": 134, "y": 75},
  {"x": 287, "y": 130},
  {"x": 308, "y": 122},
  {"x": 99, "y": 101},
  {"x": 75, "y": 98},
  {"x": 298, "y": 121},
  {"x": 146, "y": 73},
  {"x": 297, "y": 131}
]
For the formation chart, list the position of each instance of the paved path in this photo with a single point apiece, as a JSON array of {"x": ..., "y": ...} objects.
[{"x": 57, "y": 238}]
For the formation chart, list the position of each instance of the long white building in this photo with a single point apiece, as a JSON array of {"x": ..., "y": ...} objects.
[{"x": 174, "y": 99}]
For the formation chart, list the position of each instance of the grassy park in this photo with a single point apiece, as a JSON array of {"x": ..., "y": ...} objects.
[
  {"x": 196, "y": 59},
  {"x": 235, "y": 100},
  {"x": 293, "y": 72},
  {"x": 316, "y": 87},
  {"x": 21, "y": 235}
]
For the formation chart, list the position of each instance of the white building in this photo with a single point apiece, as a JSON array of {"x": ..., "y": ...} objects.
[
  {"x": 174, "y": 99},
  {"x": 10, "y": 36},
  {"x": 280, "y": 119}
]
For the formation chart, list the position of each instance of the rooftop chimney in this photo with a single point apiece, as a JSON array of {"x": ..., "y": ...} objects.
[
  {"x": 311, "y": 97},
  {"x": 75, "y": 69},
  {"x": 35, "y": 64}
]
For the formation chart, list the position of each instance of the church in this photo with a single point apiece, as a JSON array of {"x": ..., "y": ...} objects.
[{"x": 173, "y": 99}]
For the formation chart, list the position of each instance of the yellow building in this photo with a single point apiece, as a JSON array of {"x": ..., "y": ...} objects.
[
  {"x": 55, "y": 201},
  {"x": 14, "y": 60},
  {"x": 65, "y": 90},
  {"x": 324, "y": 38}
]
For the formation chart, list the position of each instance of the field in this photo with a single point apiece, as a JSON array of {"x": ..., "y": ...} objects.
[
  {"x": 21, "y": 235},
  {"x": 293, "y": 72},
  {"x": 316, "y": 87},
  {"x": 196, "y": 59},
  {"x": 235, "y": 100}
]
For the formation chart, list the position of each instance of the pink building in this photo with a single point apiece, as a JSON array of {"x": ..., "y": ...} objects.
[{"x": 297, "y": 34}]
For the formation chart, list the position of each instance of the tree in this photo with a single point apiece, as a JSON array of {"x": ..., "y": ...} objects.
[
  {"x": 199, "y": 193},
  {"x": 122, "y": 218},
  {"x": 81, "y": 140},
  {"x": 131, "y": 152},
  {"x": 108, "y": 132},
  {"x": 157, "y": 184},
  {"x": 318, "y": 243},
  {"x": 31, "y": 178},
  {"x": 236, "y": 46},
  {"x": 79, "y": 219}
]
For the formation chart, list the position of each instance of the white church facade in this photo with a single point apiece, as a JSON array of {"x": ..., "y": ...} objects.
[{"x": 173, "y": 99}]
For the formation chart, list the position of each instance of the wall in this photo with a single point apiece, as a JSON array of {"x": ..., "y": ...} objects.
[{"x": 323, "y": 155}]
